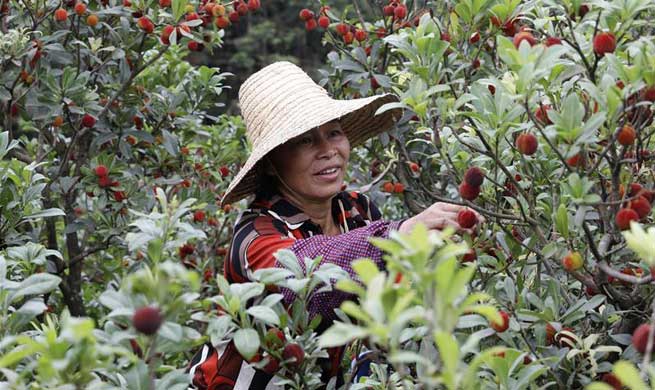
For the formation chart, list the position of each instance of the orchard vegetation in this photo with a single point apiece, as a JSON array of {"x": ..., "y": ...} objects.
[{"x": 116, "y": 152}]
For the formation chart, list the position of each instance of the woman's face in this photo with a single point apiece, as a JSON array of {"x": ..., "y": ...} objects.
[{"x": 314, "y": 164}]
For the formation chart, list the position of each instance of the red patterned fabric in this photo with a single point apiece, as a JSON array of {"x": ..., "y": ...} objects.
[{"x": 273, "y": 223}]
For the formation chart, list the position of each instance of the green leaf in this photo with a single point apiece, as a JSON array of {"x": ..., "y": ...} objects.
[
  {"x": 265, "y": 314},
  {"x": 366, "y": 270},
  {"x": 341, "y": 334},
  {"x": 247, "y": 342},
  {"x": 449, "y": 353},
  {"x": 629, "y": 375},
  {"x": 47, "y": 213},
  {"x": 562, "y": 220},
  {"x": 179, "y": 8},
  {"x": 35, "y": 284}
]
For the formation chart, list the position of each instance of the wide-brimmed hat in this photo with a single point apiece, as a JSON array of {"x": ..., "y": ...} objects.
[{"x": 281, "y": 102}]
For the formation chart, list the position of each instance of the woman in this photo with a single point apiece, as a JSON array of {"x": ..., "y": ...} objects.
[{"x": 301, "y": 141}]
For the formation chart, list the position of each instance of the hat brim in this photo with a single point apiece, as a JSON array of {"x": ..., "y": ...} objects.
[{"x": 358, "y": 121}]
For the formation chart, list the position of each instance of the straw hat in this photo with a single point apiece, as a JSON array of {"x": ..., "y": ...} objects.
[{"x": 281, "y": 102}]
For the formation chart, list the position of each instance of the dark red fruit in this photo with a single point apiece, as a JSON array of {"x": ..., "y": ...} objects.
[
  {"x": 624, "y": 216},
  {"x": 147, "y": 320},
  {"x": 604, "y": 43},
  {"x": 474, "y": 176},
  {"x": 468, "y": 192},
  {"x": 101, "y": 170},
  {"x": 640, "y": 337},
  {"x": 502, "y": 326},
  {"x": 466, "y": 218},
  {"x": 293, "y": 351},
  {"x": 527, "y": 144}
]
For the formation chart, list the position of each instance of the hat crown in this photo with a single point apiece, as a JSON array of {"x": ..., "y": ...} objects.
[{"x": 276, "y": 99}]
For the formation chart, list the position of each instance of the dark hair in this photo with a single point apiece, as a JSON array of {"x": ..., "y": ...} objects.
[{"x": 266, "y": 184}]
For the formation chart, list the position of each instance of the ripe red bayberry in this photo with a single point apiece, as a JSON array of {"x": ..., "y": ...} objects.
[
  {"x": 120, "y": 196},
  {"x": 474, "y": 176},
  {"x": 324, "y": 21},
  {"x": 527, "y": 144},
  {"x": 604, "y": 42},
  {"x": 387, "y": 187},
  {"x": 400, "y": 11},
  {"x": 305, "y": 14},
  {"x": 293, "y": 351},
  {"x": 469, "y": 256},
  {"x": 640, "y": 337},
  {"x": 414, "y": 167},
  {"x": 222, "y": 22},
  {"x": 551, "y": 41},
  {"x": 541, "y": 114},
  {"x": 58, "y": 121},
  {"x": 468, "y": 192},
  {"x": 310, "y": 24},
  {"x": 253, "y": 5},
  {"x": 61, "y": 15},
  {"x": 627, "y": 135},
  {"x": 624, "y": 216},
  {"x": 524, "y": 36},
  {"x": 145, "y": 24},
  {"x": 398, "y": 188},
  {"x": 198, "y": 216},
  {"x": 342, "y": 29},
  {"x": 274, "y": 338},
  {"x": 348, "y": 38},
  {"x": 147, "y": 320},
  {"x": 642, "y": 206},
  {"x": 164, "y": 3},
  {"x": 224, "y": 171},
  {"x": 474, "y": 38},
  {"x": 101, "y": 171},
  {"x": 502, "y": 326},
  {"x": 105, "y": 181},
  {"x": 185, "y": 250},
  {"x": 195, "y": 46},
  {"x": 360, "y": 35},
  {"x": 88, "y": 120},
  {"x": 466, "y": 218},
  {"x": 80, "y": 8}
]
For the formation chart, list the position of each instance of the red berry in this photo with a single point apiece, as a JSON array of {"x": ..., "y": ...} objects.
[
  {"x": 294, "y": 351},
  {"x": 306, "y": 14},
  {"x": 640, "y": 337},
  {"x": 466, "y": 218},
  {"x": 147, "y": 320},
  {"x": 474, "y": 177},
  {"x": 502, "y": 326},
  {"x": 195, "y": 46},
  {"x": 360, "y": 35},
  {"x": 624, "y": 216},
  {"x": 604, "y": 42},
  {"x": 572, "y": 261},
  {"x": 88, "y": 120},
  {"x": 342, "y": 29},
  {"x": 224, "y": 171},
  {"x": 414, "y": 167},
  {"x": 222, "y": 22},
  {"x": 253, "y": 5},
  {"x": 324, "y": 21},
  {"x": 468, "y": 192},
  {"x": 642, "y": 206},
  {"x": 627, "y": 135},
  {"x": 541, "y": 114},
  {"x": 551, "y": 41},
  {"x": 388, "y": 10},
  {"x": 146, "y": 24},
  {"x": 101, "y": 171},
  {"x": 524, "y": 36},
  {"x": 80, "y": 8},
  {"x": 348, "y": 38},
  {"x": 61, "y": 15},
  {"x": 648, "y": 93},
  {"x": 474, "y": 38},
  {"x": 198, "y": 216},
  {"x": 242, "y": 9},
  {"x": 527, "y": 144},
  {"x": 164, "y": 3},
  {"x": 310, "y": 24},
  {"x": 469, "y": 256},
  {"x": 104, "y": 182},
  {"x": 233, "y": 16},
  {"x": 400, "y": 12},
  {"x": 398, "y": 188},
  {"x": 274, "y": 338},
  {"x": 120, "y": 196}
]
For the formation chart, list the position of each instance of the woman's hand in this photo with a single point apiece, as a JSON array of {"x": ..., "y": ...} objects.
[{"x": 439, "y": 216}]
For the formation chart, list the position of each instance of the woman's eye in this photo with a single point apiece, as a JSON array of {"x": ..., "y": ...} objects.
[
  {"x": 305, "y": 141},
  {"x": 335, "y": 133}
]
